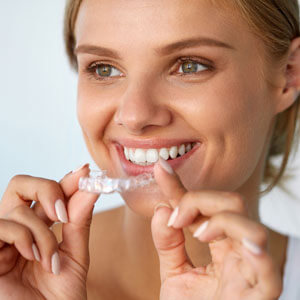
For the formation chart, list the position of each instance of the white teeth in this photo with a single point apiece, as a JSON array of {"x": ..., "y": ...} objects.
[
  {"x": 147, "y": 157},
  {"x": 181, "y": 150},
  {"x": 140, "y": 156},
  {"x": 152, "y": 155},
  {"x": 131, "y": 154},
  {"x": 173, "y": 151},
  {"x": 188, "y": 147},
  {"x": 126, "y": 152},
  {"x": 164, "y": 153}
]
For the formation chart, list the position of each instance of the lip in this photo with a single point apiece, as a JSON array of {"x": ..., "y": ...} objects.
[{"x": 134, "y": 170}]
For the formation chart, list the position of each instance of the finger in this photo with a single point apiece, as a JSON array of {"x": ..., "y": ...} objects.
[
  {"x": 24, "y": 189},
  {"x": 235, "y": 226},
  {"x": 206, "y": 203},
  {"x": 169, "y": 182},
  {"x": 8, "y": 257},
  {"x": 75, "y": 233},
  {"x": 170, "y": 245},
  {"x": 18, "y": 235},
  {"x": 269, "y": 281},
  {"x": 69, "y": 185},
  {"x": 44, "y": 239}
]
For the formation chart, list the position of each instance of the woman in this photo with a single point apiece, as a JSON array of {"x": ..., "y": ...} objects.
[{"x": 213, "y": 88}]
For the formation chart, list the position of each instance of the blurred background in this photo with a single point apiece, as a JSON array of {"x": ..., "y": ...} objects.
[{"x": 39, "y": 131}]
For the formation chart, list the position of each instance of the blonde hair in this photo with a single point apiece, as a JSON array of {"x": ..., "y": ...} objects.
[{"x": 276, "y": 22}]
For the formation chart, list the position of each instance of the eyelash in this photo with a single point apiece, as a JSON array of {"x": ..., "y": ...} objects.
[{"x": 91, "y": 69}]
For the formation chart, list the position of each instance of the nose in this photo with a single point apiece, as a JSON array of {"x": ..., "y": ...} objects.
[{"x": 139, "y": 109}]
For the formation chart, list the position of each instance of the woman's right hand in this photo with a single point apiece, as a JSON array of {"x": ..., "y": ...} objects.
[{"x": 30, "y": 256}]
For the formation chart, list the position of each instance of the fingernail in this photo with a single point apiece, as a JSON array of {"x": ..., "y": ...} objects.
[
  {"x": 252, "y": 247},
  {"x": 36, "y": 252},
  {"x": 165, "y": 165},
  {"x": 61, "y": 211},
  {"x": 173, "y": 217},
  {"x": 200, "y": 230},
  {"x": 80, "y": 168},
  {"x": 157, "y": 206},
  {"x": 55, "y": 264}
]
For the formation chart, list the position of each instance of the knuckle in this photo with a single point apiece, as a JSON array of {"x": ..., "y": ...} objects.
[
  {"x": 19, "y": 212},
  {"x": 23, "y": 233},
  {"x": 15, "y": 180},
  {"x": 222, "y": 217},
  {"x": 262, "y": 235},
  {"x": 238, "y": 203},
  {"x": 50, "y": 186},
  {"x": 187, "y": 200},
  {"x": 49, "y": 242}
]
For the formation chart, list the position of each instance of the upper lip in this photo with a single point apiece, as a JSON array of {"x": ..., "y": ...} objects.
[{"x": 153, "y": 143}]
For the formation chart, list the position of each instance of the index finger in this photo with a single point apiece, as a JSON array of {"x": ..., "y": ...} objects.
[{"x": 68, "y": 185}]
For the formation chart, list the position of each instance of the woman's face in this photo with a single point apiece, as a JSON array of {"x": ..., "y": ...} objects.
[{"x": 160, "y": 74}]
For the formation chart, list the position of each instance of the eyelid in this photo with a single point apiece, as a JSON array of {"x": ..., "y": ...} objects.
[
  {"x": 208, "y": 65},
  {"x": 92, "y": 68}
]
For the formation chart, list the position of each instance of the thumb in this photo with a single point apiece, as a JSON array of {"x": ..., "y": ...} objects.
[
  {"x": 170, "y": 245},
  {"x": 169, "y": 182},
  {"x": 75, "y": 233}
]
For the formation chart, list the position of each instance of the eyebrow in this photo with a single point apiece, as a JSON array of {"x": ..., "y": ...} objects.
[
  {"x": 190, "y": 43},
  {"x": 165, "y": 50}
]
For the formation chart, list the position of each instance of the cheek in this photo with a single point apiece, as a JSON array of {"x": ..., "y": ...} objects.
[
  {"x": 93, "y": 115},
  {"x": 234, "y": 126}
]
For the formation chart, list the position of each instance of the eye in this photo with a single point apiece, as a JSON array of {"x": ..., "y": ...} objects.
[
  {"x": 190, "y": 67},
  {"x": 106, "y": 70}
]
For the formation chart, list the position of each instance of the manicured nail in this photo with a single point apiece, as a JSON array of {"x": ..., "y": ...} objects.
[
  {"x": 36, "y": 252},
  {"x": 200, "y": 230},
  {"x": 55, "y": 263},
  {"x": 80, "y": 168},
  {"x": 61, "y": 211},
  {"x": 173, "y": 217},
  {"x": 252, "y": 247},
  {"x": 165, "y": 165},
  {"x": 157, "y": 206}
]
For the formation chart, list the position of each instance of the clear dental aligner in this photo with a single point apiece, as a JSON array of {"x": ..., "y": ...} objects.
[{"x": 99, "y": 183}]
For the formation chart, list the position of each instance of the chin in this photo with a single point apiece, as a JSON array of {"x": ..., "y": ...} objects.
[{"x": 143, "y": 201}]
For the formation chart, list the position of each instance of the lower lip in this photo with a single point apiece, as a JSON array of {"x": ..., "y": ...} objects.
[{"x": 134, "y": 170}]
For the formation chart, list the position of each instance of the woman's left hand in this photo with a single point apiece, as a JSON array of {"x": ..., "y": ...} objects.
[{"x": 241, "y": 267}]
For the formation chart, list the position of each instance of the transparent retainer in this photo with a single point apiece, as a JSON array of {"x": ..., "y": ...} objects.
[{"x": 99, "y": 183}]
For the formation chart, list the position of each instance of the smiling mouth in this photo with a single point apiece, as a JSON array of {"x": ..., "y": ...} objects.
[{"x": 147, "y": 157}]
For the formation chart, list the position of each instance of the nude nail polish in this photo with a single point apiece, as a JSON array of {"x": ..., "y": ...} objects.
[
  {"x": 80, "y": 168},
  {"x": 55, "y": 264},
  {"x": 61, "y": 211},
  {"x": 165, "y": 165},
  {"x": 36, "y": 252},
  {"x": 173, "y": 217},
  {"x": 200, "y": 230},
  {"x": 252, "y": 247}
]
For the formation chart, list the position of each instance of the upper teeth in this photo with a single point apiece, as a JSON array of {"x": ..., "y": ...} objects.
[{"x": 150, "y": 156}]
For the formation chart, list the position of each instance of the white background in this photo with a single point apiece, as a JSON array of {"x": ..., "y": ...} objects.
[{"x": 39, "y": 132}]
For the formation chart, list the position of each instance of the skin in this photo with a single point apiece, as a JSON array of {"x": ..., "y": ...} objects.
[{"x": 219, "y": 107}]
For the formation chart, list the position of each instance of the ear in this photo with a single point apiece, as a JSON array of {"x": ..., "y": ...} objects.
[{"x": 291, "y": 88}]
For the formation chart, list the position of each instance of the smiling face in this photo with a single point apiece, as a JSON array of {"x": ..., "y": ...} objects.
[{"x": 160, "y": 74}]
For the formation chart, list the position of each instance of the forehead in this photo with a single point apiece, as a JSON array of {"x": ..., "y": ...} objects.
[{"x": 120, "y": 23}]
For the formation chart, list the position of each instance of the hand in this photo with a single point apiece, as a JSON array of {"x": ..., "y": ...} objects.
[
  {"x": 241, "y": 267},
  {"x": 27, "y": 274}
]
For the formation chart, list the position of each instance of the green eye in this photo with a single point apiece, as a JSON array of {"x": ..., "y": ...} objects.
[
  {"x": 106, "y": 70},
  {"x": 190, "y": 66}
]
